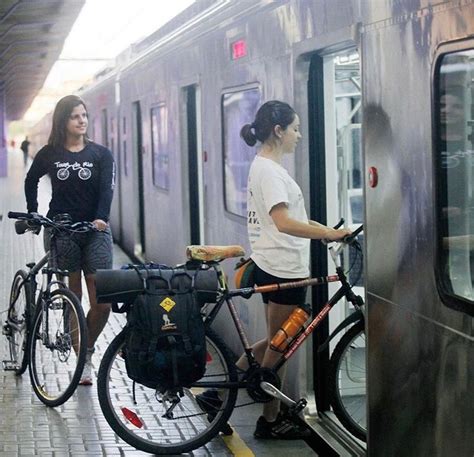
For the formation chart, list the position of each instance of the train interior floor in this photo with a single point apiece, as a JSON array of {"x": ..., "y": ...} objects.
[{"x": 27, "y": 427}]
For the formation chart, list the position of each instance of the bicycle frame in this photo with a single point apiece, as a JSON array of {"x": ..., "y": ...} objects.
[
  {"x": 47, "y": 266},
  {"x": 344, "y": 291}
]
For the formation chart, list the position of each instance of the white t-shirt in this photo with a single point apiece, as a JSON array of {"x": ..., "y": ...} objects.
[{"x": 274, "y": 252}]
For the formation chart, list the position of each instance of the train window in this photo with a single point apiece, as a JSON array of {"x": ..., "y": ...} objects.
[
  {"x": 454, "y": 111},
  {"x": 238, "y": 108},
  {"x": 159, "y": 145}
]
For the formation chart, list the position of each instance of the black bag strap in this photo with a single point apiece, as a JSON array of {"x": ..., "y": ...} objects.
[
  {"x": 174, "y": 359},
  {"x": 181, "y": 289},
  {"x": 188, "y": 347},
  {"x": 157, "y": 277}
]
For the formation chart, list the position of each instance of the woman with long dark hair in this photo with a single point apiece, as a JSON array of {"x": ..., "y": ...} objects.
[{"x": 82, "y": 177}]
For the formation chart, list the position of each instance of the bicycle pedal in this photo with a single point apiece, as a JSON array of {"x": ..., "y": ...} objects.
[
  {"x": 298, "y": 407},
  {"x": 10, "y": 365}
]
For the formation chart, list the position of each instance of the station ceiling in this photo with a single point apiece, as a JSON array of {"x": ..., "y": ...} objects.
[{"x": 32, "y": 34}]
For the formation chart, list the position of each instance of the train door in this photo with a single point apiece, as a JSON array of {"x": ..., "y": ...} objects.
[
  {"x": 336, "y": 190},
  {"x": 139, "y": 248},
  {"x": 194, "y": 179}
]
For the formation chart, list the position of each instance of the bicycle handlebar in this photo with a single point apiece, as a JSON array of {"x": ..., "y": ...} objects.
[
  {"x": 350, "y": 238},
  {"x": 31, "y": 221},
  {"x": 16, "y": 215},
  {"x": 339, "y": 224}
]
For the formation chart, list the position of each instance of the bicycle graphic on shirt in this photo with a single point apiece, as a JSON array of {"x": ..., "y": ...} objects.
[{"x": 84, "y": 172}]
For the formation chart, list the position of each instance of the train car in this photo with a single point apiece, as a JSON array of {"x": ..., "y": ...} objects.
[{"x": 384, "y": 92}]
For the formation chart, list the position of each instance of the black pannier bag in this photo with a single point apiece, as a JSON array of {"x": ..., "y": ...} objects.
[{"x": 165, "y": 344}]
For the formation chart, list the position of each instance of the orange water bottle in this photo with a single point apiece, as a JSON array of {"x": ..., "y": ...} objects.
[{"x": 290, "y": 328}]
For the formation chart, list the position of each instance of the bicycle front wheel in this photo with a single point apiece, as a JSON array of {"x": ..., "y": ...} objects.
[
  {"x": 17, "y": 322},
  {"x": 348, "y": 381},
  {"x": 140, "y": 415},
  {"x": 58, "y": 346}
]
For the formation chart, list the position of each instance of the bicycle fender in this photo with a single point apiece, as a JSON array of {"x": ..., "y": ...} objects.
[{"x": 356, "y": 316}]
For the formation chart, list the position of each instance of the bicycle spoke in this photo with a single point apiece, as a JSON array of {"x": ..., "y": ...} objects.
[
  {"x": 16, "y": 327},
  {"x": 145, "y": 419},
  {"x": 57, "y": 349},
  {"x": 349, "y": 381}
]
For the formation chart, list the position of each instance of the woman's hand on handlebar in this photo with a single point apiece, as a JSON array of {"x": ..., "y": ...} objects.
[
  {"x": 100, "y": 225},
  {"x": 336, "y": 235}
]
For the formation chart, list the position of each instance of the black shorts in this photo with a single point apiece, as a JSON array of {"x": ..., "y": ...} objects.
[
  {"x": 83, "y": 251},
  {"x": 282, "y": 297}
]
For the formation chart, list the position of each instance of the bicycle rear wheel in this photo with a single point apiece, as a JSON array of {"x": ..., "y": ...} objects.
[
  {"x": 58, "y": 346},
  {"x": 17, "y": 322},
  {"x": 137, "y": 413},
  {"x": 348, "y": 381}
]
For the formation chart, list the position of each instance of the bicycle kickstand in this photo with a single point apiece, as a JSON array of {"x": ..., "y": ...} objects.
[{"x": 295, "y": 407}]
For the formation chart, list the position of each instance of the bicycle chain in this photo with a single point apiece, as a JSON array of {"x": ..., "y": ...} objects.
[{"x": 217, "y": 410}]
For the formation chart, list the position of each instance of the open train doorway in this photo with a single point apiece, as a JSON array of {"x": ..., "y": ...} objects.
[
  {"x": 193, "y": 172},
  {"x": 336, "y": 185},
  {"x": 139, "y": 248}
]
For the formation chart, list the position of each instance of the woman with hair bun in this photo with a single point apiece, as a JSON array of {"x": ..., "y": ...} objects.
[{"x": 279, "y": 232}]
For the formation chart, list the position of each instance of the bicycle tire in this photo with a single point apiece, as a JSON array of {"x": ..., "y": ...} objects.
[
  {"x": 18, "y": 320},
  {"x": 190, "y": 428},
  {"x": 347, "y": 377},
  {"x": 56, "y": 365}
]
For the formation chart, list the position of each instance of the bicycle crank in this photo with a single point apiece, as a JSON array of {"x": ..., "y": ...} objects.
[
  {"x": 295, "y": 407},
  {"x": 256, "y": 379}
]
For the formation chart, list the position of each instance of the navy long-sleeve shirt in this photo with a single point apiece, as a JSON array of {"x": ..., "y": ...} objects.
[{"x": 82, "y": 182}]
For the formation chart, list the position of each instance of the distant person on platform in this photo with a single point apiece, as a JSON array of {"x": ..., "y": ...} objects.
[{"x": 24, "y": 147}]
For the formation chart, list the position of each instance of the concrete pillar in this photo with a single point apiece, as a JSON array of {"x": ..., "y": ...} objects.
[{"x": 3, "y": 135}]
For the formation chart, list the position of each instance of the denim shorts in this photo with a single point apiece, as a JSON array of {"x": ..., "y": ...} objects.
[
  {"x": 88, "y": 252},
  {"x": 282, "y": 297}
]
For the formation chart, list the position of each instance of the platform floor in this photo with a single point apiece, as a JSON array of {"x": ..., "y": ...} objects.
[{"x": 78, "y": 428}]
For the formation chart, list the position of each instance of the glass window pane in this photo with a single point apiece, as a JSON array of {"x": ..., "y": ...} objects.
[
  {"x": 455, "y": 169},
  {"x": 239, "y": 108},
  {"x": 159, "y": 142}
]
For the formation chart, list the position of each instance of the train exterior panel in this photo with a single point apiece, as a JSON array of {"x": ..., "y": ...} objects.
[
  {"x": 103, "y": 130},
  {"x": 363, "y": 75},
  {"x": 420, "y": 351}
]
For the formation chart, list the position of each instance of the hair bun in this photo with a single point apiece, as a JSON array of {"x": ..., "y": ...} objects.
[{"x": 247, "y": 134}]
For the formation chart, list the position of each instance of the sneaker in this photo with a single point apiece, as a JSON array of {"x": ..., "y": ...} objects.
[
  {"x": 86, "y": 378},
  {"x": 282, "y": 429},
  {"x": 210, "y": 403}
]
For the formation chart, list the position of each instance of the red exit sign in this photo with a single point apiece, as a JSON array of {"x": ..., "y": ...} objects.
[{"x": 239, "y": 49}]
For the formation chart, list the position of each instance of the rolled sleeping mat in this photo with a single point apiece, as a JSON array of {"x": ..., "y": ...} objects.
[{"x": 123, "y": 286}]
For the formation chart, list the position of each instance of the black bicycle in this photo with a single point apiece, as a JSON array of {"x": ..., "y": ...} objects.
[
  {"x": 45, "y": 327},
  {"x": 180, "y": 419}
]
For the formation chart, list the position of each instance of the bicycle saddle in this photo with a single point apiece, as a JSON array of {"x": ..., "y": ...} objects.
[{"x": 210, "y": 253}]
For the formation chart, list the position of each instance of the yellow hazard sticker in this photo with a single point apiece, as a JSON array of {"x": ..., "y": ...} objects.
[{"x": 167, "y": 304}]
